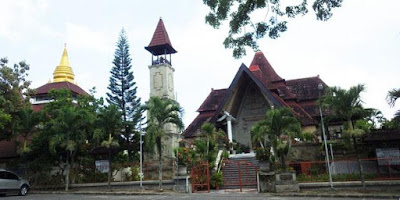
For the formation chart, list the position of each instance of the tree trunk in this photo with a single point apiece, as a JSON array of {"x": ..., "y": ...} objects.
[
  {"x": 109, "y": 170},
  {"x": 208, "y": 145},
  {"x": 67, "y": 173},
  {"x": 262, "y": 146},
  {"x": 359, "y": 162},
  {"x": 283, "y": 160},
  {"x": 159, "y": 145}
]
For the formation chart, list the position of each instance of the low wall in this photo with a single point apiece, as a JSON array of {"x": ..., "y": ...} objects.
[
  {"x": 134, "y": 185},
  {"x": 392, "y": 184}
]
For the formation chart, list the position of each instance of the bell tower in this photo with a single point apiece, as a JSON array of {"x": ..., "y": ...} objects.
[
  {"x": 161, "y": 70},
  {"x": 162, "y": 81}
]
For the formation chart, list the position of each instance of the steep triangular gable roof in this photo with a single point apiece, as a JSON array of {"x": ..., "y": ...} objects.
[{"x": 243, "y": 70}]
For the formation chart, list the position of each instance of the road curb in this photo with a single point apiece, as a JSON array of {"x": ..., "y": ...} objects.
[
  {"x": 104, "y": 192},
  {"x": 378, "y": 196}
]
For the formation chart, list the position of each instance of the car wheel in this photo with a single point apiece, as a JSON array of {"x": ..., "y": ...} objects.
[{"x": 24, "y": 190}]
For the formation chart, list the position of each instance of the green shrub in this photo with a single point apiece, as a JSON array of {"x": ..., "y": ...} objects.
[
  {"x": 216, "y": 180},
  {"x": 336, "y": 177},
  {"x": 263, "y": 154}
]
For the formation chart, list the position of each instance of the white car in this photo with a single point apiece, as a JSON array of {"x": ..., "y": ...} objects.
[{"x": 11, "y": 182}]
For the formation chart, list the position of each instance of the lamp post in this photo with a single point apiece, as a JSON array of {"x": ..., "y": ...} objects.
[
  {"x": 320, "y": 87},
  {"x": 141, "y": 157}
]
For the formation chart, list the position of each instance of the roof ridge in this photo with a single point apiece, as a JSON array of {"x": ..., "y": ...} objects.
[{"x": 317, "y": 76}]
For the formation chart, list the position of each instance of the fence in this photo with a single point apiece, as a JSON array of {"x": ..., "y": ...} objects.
[
  {"x": 348, "y": 170},
  {"x": 94, "y": 174}
]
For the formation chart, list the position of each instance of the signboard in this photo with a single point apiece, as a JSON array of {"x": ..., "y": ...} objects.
[
  {"x": 388, "y": 156},
  {"x": 102, "y": 165}
]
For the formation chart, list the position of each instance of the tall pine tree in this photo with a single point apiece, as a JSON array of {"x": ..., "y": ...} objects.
[{"x": 122, "y": 93}]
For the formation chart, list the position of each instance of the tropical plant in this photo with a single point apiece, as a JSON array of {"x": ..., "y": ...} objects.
[
  {"x": 183, "y": 155},
  {"x": 27, "y": 123},
  {"x": 211, "y": 134},
  {"x": 70, "y": 124},
  {"x": 263, "y": 154},
  {"x": 160, "y": 113},
  {"x": 216, "y": 180},
  {"x": 259, "y": 134},
  {"x": 277, "y": 124},
  {"x": 347, "y": 106},
  {"x": 391, "y": 98},
  {"x": 122, "y": 93}
]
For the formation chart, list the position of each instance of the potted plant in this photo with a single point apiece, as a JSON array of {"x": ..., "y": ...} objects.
[
  {"x": 181, "y": 154},
  {"x": 216, "y": 180},
  {"x": 263, "y": 156}
]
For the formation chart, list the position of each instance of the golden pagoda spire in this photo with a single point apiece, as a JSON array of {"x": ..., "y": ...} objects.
[{"x": 64, "y": 71}]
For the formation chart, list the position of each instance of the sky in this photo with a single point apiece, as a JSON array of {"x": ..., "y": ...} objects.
[{"x": 359, "y": 44}]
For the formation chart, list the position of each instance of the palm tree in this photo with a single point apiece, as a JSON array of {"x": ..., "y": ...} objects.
[
  {"x": 259, "y": 134},
  {"x": 210, "y": 133},
  {"x": 277, "y": 122},
  {"x": 160, "y": 113},
  {"x": 347, "y": 105},
  {"x": 391, "y": 98},
  {"x": 70, "y": 124},
  {"x": 27, "y": 125}
]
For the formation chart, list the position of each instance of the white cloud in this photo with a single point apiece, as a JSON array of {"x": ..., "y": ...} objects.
[
  {"x": 81, "y": 36},
  {"x": 17, "y": 18}
]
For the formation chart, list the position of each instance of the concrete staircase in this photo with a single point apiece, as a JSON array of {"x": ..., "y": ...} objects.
[{"x": 240, "y": 172}]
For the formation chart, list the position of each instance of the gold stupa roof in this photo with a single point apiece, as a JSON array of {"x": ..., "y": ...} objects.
[{"x": 63, "y": 71}]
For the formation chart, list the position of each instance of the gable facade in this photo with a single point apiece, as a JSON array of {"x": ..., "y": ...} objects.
[{"x": 253, "y": 91}]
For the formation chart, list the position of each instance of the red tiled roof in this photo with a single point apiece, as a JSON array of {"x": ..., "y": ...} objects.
[
  {"x": 196, "y": 124},
  {"x": 8, "y": 149},
  {"x": 269, "y": 74},
  {"x": 310, "y": 107},
  {"x": 305, "y": 118},
  {"x": 160, "y": 41},
  {"x": 45, "y": 89},
  {"x": 212, "y": 101},
  {"x": 207, "y": 111},
  {"x": 305, "y": 88}
]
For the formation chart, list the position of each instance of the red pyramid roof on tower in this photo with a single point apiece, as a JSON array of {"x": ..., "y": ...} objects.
[
  {"x": 261, "y": 63},
  {"x": 160, "y": 43}
]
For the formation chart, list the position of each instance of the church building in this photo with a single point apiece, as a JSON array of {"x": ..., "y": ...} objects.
[{"x": 253, "y": 91}]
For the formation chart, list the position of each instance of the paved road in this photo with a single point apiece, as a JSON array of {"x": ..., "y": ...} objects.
[{"x": 166, "y": 197}]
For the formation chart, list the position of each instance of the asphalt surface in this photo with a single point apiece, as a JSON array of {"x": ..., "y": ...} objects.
[{"x": 204, "y": 196}]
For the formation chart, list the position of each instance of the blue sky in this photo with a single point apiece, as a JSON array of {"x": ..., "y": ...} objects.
[{"x": 360, "y": 44}]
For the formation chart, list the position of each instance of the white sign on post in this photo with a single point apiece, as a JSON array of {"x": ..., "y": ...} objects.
[
  {"x": 102, "y": 165},
  {"x": 388, "y": 156}
]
